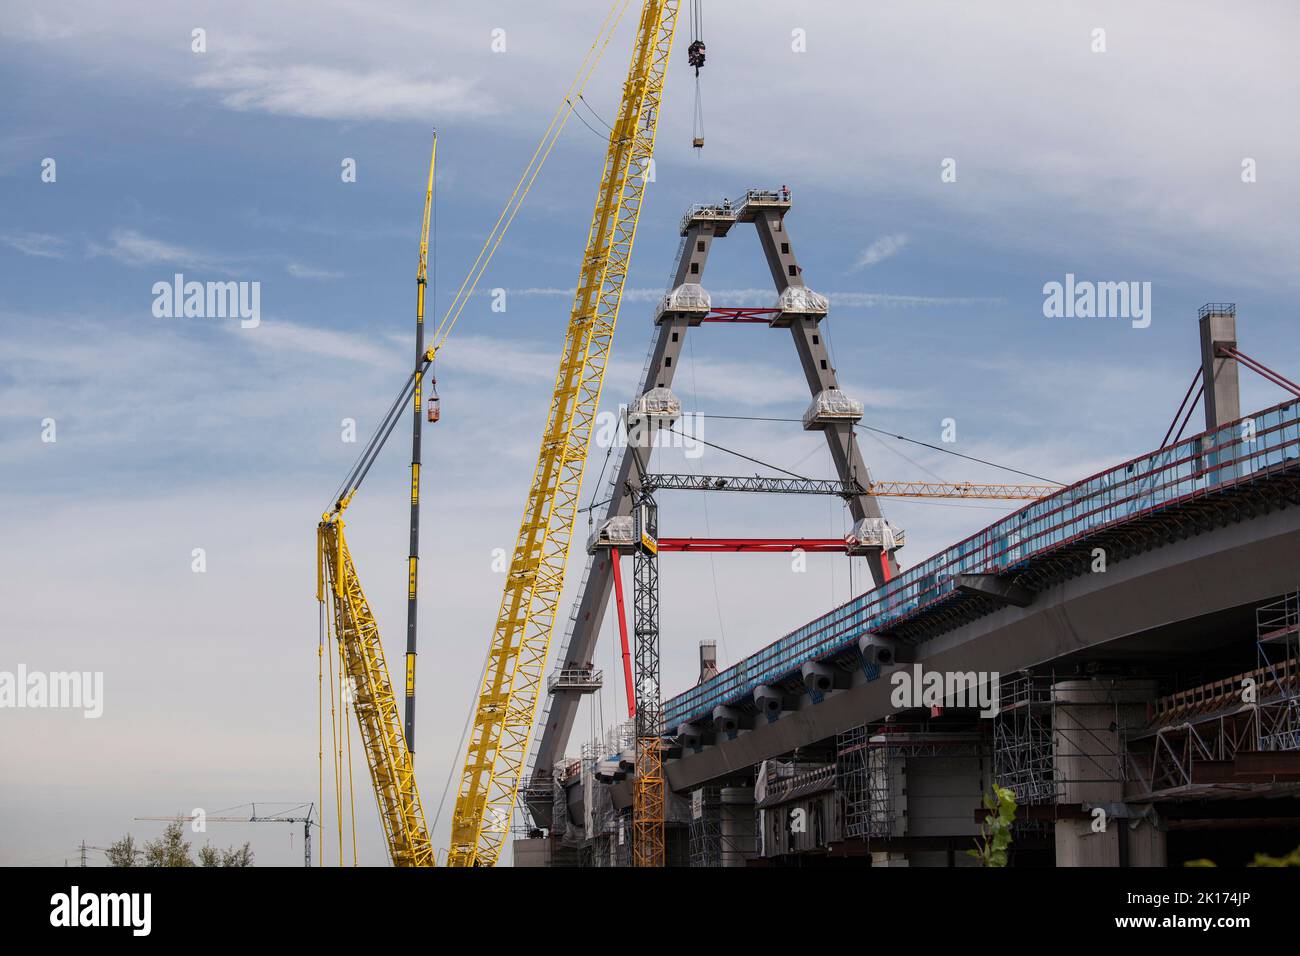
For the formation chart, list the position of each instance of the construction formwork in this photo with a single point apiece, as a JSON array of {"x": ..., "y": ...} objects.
[
  {"x": 798, "y": 808},
  {"x": 1227, "y": 738}
]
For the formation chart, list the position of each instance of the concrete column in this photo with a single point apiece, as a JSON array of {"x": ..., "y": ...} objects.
[
  {"x": 736, "y": 827},
  {"x": 889, "y": 859},
  {"x": 1089, "y": 718},
  {"x": 1222, "y": 393},
  {"x": 1222, "y": 399}
]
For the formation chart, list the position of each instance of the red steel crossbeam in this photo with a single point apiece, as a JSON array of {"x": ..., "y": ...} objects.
[
  {"x": 739, "y": 315},
  {"x": 754, "y": 545}
]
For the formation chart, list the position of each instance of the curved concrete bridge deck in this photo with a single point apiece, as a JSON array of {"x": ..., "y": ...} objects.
[{"x": 1182, "y": 532}]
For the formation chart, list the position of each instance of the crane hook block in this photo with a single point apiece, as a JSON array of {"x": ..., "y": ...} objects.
[{"x": 695, "y": 55}]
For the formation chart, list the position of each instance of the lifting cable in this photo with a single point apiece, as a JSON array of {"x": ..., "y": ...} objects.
[
  {"x": 881, "y": 431},
  {"x": 529, "y": 176},
  {"x": 320, "y": 725},
  {"x": 695, "y": 55},
  {"x": 512, "y": 206},
  {"x": 352, "y": 793}
]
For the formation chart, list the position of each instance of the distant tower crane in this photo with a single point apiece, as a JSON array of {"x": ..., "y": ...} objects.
[{"x": 285, "y": 817}]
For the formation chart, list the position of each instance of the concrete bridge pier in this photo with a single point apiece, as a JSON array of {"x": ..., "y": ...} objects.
[
  {"x": 1097, "y": 828},
  {"x": 736, "y": 825}
]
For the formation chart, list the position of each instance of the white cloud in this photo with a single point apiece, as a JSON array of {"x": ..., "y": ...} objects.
[
  {"x": 326, "y": 92},
  {"x": 302, "y": 340},
  {"x": 300, "y": 271},
  {"x": 135, "y": 249},
  {"x": 35, "y": 244},
  {"x": 886, "y": 247}
]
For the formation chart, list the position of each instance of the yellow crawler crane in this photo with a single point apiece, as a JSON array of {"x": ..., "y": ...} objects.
[
  {"x": 352, "y": 624},
  {"x": 507, "y": 701}
]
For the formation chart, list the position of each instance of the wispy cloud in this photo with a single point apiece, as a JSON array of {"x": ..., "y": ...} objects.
[
  {"x": 325, "y": 343},
  {"x": 36, "y": 244},
  {"x": 886, "y": 247},
  {"x": 300, "y": 271},
  {"x": 135, "y": 249},
  {"x": 323, "y": 92}
]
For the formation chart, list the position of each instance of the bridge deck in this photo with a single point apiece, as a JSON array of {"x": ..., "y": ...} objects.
[{"x": 1178, "y": 490}]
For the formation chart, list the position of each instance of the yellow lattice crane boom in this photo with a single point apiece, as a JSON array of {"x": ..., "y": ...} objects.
[
  {"x": 391, "y": 769},
  {"x": 507, "y": 700}
]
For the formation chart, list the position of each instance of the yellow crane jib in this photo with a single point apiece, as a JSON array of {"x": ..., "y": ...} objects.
[{"x": 507, "y": 701}]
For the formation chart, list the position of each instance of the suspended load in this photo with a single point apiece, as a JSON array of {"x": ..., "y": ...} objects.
[
  {"x": 435, "y": 406},
  {"x": 831, "y": 405},
  {"x": 874, "y": 533}
]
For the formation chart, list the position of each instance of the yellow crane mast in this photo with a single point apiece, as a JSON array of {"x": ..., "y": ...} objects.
[{"x": 507, "y": 701}]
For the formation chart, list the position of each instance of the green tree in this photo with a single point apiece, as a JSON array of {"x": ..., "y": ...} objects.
[
  {"x": 1261, "y": 859},
  {"x": 995, "y": 832},
  {"x": 170, "y": 849},
  {"x": 211, "y": 856},
  {"x": 241, "y": 857},
  {"x": 123, "y": 852}
]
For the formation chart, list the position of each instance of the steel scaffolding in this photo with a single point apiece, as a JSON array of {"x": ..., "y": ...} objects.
[
  {"x": 1022, "y": 739},
  {"x": 865, "y": 782},
  {"x": 1226, "y": 737},
  {"x": 705, "y": 830}
]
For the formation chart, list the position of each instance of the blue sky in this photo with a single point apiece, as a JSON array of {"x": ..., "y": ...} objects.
[{"x": 182, "y": 433}]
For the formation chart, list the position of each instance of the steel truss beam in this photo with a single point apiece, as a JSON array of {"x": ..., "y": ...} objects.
[{"x": 754, "y": 483}]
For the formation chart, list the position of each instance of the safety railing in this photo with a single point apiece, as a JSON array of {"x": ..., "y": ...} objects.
[
  {"x": 1209, "y": 462},
  {"x": 730, "y": 208}
]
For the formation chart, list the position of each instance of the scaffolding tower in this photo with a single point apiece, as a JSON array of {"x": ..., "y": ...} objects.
[
  {"x": 864, "y": 779},
  {"x": 704, "y": 833},
  {"x": 1277, "y": 643},
  {"x": 1022, "y": 739}
]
